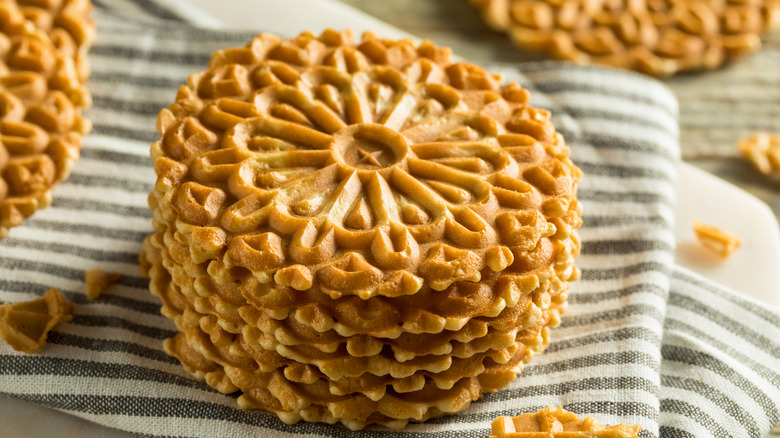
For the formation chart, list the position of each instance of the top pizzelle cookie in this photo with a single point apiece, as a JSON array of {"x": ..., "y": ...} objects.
[
  {"x": 656, "y": 37},
  {"x": 366, "y": 169}
]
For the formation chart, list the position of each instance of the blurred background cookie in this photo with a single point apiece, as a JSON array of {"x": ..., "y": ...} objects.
[
  {"x": 656, "y": 37},
  {"x": 43, "y": 47}
]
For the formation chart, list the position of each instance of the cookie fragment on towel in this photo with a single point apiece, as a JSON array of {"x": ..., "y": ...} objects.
[
  {"x": 98, "y": 281},
  {"x": 25, "y": 325}
]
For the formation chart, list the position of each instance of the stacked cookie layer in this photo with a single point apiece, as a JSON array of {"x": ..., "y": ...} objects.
[
  {"x": 43, "y": 45},
  {"x": 365, "y": 233}
]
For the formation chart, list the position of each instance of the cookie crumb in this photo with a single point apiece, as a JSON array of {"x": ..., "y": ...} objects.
[
  {"x": 716, "y": 239},
  {"x": 98, "y": 281}
]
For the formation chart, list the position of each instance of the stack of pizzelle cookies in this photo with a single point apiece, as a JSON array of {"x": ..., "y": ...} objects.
[
  {"x": 44, "y": 68},
  {"x": 365, "y": 233}
]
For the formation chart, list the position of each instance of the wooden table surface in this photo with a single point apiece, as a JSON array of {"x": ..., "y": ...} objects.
[{"x": 716, "y": 108}]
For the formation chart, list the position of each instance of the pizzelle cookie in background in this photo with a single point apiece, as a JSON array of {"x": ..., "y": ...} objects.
[
  {"x": 43, "y": 45},
  {"x": 656, "y": 37},
  {"x": 360, "y": 233}
]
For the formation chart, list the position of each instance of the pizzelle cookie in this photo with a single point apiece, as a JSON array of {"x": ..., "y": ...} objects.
[
  {"x": 553, "y": 422},
  {"x": 364, "y": 233},
  {"x": 43, "y": 45},
  {"x": 656, "y": 37}
]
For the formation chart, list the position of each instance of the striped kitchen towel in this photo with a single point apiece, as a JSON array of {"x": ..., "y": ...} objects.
[{"x": 643, "y": 341}]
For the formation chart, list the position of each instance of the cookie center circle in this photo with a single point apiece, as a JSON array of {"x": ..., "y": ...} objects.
[{"x": 369, "y": 147}]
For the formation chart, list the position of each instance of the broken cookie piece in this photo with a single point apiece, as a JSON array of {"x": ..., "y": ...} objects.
[
  {"x": 25, "y": 325},
  {"x": 762, "y": 150},
  {"x": 716, "y": 239},
  {"x": 557, "y": 422},
  {"x": 98, "y": 281}
]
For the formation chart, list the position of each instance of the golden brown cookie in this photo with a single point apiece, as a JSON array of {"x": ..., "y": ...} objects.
[
  {"x": 98, "y": 281},
  {"x": 358, "y": 232},
  {"x": 557, "y": 422},
  {"x": 762, "y": 150},
  {"x": 25, "y": 325},
  {"x": 656, "y": 37},
  {"x": 43, "y": 46}
]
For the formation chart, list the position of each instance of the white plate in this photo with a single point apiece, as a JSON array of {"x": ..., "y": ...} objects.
[
  {"x": 753, "y": 268},
  {"x": 700, "y": 195}
]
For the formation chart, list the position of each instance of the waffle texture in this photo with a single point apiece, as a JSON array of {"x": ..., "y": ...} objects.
[
  {"x": 43, "y": 49},
  {"x": 558, "y": 423},
  {"x": 25, "y": 325},
  {"x": 643, "y": 340},
  {"x": 359, "y": 232},
  {"x": 658, "y": 38}
]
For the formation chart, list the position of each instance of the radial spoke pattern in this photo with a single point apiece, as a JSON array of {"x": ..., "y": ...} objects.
[{"x": 364, "y": 233}]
